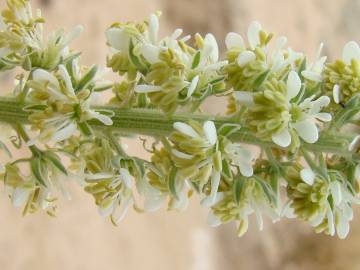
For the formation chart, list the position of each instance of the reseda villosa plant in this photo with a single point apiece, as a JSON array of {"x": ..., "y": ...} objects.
[{"x": 301, "y": 115}]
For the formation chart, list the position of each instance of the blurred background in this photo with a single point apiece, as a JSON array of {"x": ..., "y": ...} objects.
[{"x": 79, "y": 239}]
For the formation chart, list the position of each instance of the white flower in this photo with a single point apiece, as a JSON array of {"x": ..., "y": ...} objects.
[
  {"x": 64, "y": 125},
  {"x": 310, "y": 108},
  {"x": 115, "y": 205},
  {"x": 210, "y": 141},
  {"x": 234, "y": 40},
  {"x": 314, "y": 71},
  {"x": 208, "y": 61},
  {"x": 274, "y": 62},
  {"x": 240, "y": 157},
  {"x": 351, "y": 52}
]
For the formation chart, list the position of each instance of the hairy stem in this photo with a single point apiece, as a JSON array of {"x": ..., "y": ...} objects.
[{"x": 156, "y": 123}]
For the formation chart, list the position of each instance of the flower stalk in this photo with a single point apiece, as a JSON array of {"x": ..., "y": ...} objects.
[{"x": 154, "y": 123}]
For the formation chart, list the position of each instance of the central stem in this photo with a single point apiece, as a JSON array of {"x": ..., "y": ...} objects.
[{"x": 155, "y": 123}]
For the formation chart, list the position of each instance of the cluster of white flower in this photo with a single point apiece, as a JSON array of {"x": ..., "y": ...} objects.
[{"x": 302, "y": 116}]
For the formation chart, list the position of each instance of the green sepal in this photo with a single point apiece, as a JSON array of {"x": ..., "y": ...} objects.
[
  {"x": 172, "y": 182},
  {"x": 238, "y": 189},
  {"x": 196, "y": 60},
  {"x": 55, "y": 160},
  {"x": 86, "y": 79},
  {"x": 36, "y": 169}
]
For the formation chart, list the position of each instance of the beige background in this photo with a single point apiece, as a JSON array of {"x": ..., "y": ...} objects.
[{"x": 79, "y": 239}]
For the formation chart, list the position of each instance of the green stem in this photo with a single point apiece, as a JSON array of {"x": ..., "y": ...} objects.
[{"x": 155, "y": 123}]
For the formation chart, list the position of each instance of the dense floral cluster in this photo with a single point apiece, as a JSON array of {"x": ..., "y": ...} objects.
[{"x": 278, "y": 151}]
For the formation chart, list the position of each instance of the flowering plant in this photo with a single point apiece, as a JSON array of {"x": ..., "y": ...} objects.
[{"x": 286, "y": 146}]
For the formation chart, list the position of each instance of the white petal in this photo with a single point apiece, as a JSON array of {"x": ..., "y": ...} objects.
[
  {"x": 234, "y": 40},
  {"x": 105, "y": 212},
  {"x": 354, "y": 143},
  {"x": 348, "y": 213},
  {"x": 211, "y": 41},
  {"x": 319, "y": 51},
  {"x": 41, "y": 75},
  {"x": 126, "y": 177},
  {"x": 210, "y": 132},
  {"x": 215, "y": 66},
  {"x": 64, "y": 133},
  {"x": 307, "y": 130},
  {"x": 20, "y": 196},
  {"x": 287, "y": 211},
  {"x": 330, "y": 217},
  {"x": 182, "y": 202},
  {"x": 153, "y": 28},
  {"x": 320, "y": 103},
  {"x": 308, "y": 176},
  {"x": 246, "y": 169},
  {"x": 66, "y": 77},
  {"x": 213, "y": 220},
  {"x": 244, "y": 98},
  {"x": 72, "y": 35},
  {"x": 293, "y": 85},
  {"x": 336, "y": 193},
  {"x": 186, "y": 129},
  {"x": 151, "y": 53},
  {"x": 98, "y": 176},
  {"x": 143, "y": 88},
  {"x": 326, "y": 117},
  {"x": 153, "y": 203},
  {"x": 342, "y": 228},
  {"x": 106, "y": 120},
  {"x": 181, "y": 154},
  {"x": 177, "y": 33},
  {"x": 120, "y": 212},
  {"x": 254, "y": 34},
  {"x": 211, "y": 199},
  {"x": 318, "y": 219},
  {"x": 193, "y": 86},
  {"x": 245, "y": 57},
  {"x": 282, "y": 138},
  {"x": 280, "y": 43},
  {"x": 312, "y": 75},
  {"x": 336, "y": 93},
  {"x": 351, "y": 51},
  {"x": 118, "y": 39}
]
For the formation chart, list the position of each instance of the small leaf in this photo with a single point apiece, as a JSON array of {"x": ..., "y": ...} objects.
[
  {"x": 69, "y": 59},
  {"x": 85, "y": 128},
  {"x": 237, "y": 189},
  {"x": 86, "y": 79},
  {"x": 55, "y": 160},
  {"x": 215, "y": 81},
  {"x": 35, "y": 165},
  {"x": 172, "y": 182},
  {"x": 196, "y": 60},
  {"x": 267, "y": 189},
  {"x": 301, "y": 69},
  {"x": 134, "y": 59},
  {"x": 261, "y": 78},
  {"x": 226, "y": 171}
]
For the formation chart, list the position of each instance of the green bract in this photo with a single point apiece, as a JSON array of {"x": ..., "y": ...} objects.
[{"x": 286, "y": 146}]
